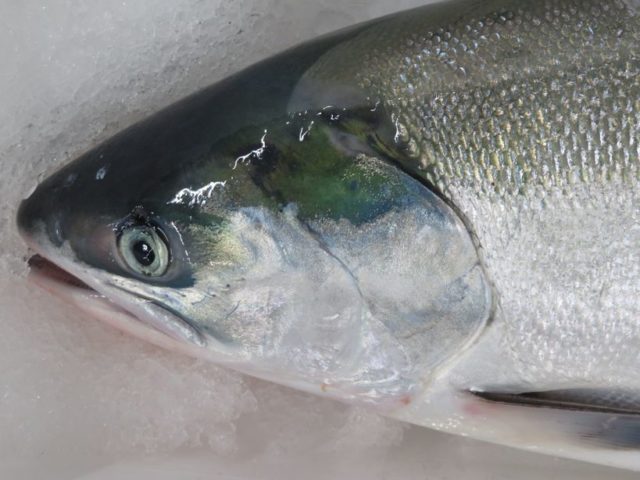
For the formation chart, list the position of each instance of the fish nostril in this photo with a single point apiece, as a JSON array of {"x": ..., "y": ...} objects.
[{"x": 54, "y": 230}]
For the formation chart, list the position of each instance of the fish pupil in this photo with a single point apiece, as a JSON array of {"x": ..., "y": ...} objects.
[{"x": 143, "y": 253}]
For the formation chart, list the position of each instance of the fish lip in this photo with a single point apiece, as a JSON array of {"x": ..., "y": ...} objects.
[{"x": 54, "y": 278}]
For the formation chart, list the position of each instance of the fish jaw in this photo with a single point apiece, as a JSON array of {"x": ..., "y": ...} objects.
[
  {"x": 172, "y": 334},
  {"x": 86, "y": 298}
]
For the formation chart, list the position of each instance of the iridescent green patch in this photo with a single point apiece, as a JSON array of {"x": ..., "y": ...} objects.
[
  {"x": 321, "y": 163},
  {"x": 325, "y": 179}
]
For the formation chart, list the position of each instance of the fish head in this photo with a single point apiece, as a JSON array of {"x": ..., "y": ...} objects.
[{"x": 279, "y": 239}]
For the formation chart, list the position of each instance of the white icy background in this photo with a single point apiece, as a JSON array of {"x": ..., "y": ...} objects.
[{"x": 80, "y": 400}]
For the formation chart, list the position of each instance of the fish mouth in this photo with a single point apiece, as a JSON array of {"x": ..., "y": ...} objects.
[
  {"x": 142, "y": 318},
  {"x": 37, "y": 263}
]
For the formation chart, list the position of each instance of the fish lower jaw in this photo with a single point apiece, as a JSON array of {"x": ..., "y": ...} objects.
[{"x": 72, "y": 290}]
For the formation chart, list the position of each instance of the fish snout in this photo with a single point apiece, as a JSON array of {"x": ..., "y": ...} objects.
[{"x": 39, "y": 220}]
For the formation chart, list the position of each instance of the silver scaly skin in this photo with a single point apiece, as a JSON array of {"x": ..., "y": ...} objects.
[
  {"x": 435, "y": 214},
  {"x": 526, "y": 116}
]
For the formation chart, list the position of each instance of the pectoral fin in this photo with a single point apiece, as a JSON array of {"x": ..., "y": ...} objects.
[{"x": 603, "y": 418}]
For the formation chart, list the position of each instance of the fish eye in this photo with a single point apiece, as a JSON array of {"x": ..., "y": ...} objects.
[{"x": 144, "y": 249}]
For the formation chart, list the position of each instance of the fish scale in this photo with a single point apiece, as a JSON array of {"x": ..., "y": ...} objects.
[
  {"x": 526, "y": 116},
  {"x": 492, "y": 100}
]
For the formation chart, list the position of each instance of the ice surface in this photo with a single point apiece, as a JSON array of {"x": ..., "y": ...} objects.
[{"x": 80, "y": 400}]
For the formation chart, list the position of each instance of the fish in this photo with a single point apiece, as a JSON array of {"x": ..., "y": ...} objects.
[{"x": 434, "y": 215}]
